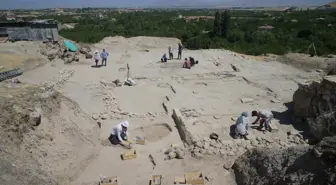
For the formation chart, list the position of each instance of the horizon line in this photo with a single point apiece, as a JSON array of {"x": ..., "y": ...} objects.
[{"x": 158, "y": 7}]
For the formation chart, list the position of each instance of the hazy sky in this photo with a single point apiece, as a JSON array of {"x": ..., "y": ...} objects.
[{"x": 10, "y": 4}]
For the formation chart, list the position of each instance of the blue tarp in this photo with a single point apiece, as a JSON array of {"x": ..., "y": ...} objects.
[{"x": 69, "y": 45}]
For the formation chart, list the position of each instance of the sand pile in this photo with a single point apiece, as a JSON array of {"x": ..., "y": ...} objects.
[{"x": 45, "y": 138}]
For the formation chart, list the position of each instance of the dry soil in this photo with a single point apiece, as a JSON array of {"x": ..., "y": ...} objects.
[{"x": 209, "y": 96}]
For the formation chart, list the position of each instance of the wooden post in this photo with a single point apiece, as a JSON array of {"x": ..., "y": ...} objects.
[
  {"x": 314, "y": 49},
  {"x": 128, "y": 72}
]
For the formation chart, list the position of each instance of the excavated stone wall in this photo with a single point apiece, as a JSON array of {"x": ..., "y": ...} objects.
[
  {"x": 294, "y": 166},
  {"x": 314, "y": 105}
]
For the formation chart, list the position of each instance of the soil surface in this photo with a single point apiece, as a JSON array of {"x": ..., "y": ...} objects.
[{"x": 208, "y": 96}]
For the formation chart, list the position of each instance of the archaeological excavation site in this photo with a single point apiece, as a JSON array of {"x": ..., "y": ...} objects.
[{"x": 58, "y": 112}]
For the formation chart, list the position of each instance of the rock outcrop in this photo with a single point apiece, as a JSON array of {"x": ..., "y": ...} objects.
[
  {"x": 314, "y": 105},
  {"x": 294, "y": 166}
]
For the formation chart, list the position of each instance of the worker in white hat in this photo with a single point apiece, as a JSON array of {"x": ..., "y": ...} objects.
[
  {"x": 119, "y": 133},
  {"x": 96, "y": 57}
]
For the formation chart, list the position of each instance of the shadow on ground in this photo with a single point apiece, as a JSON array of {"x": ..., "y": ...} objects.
[
  {"x": 96, "y": 66},
  {"x": 287, "y": 118}
]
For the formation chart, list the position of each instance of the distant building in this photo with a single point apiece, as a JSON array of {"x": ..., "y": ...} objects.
[
  {"x": 198, "y": 18},
  {"x": 29, "y": 31},
  {"x": 10, "y": 16},
  {"x": 289, "y": 9},
  {"x": 266, "y": 27},
  {"x": 328, "y": 7}
]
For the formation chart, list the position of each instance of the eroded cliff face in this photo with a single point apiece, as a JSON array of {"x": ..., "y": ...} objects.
[
  {"x": 294, "y": 166},
  {"x": 314, "y": 104}
]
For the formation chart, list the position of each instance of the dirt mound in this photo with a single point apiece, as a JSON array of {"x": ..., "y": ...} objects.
[
  {"x": 297, "y": 165},
  {"x": 20, "y": 55},
  {"x": 45, "y": 137},
  {"x": 142, "y": 42},
  {"x": 306, "y": 62},
  {"x": 313, "y": 105}
]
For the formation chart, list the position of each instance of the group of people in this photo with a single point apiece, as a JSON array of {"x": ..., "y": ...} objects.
[
  {"x": 164, "y": 58},
  {"x": 264, "y": 117},
  {"x": 103, "y": 56},
  {"x": 119, "y": 133}
]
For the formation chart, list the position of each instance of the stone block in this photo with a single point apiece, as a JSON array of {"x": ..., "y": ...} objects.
[
  {"x": 181, "y": 122},
  {"x": 273, "y": 127},
  {"x": 246, "y": 100}
]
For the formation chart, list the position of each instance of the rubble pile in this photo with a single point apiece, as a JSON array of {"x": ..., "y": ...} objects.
[
  {"x": 190, "y": 112},
  {"x": 63, "y": 76},
  {"x": 174, "y": 152},
  {"x": 86, "y": 51},
  {"x": 57, "y": 50},
  {"x": 296, "y": 165},
  {"x": 209, "y": 146}
]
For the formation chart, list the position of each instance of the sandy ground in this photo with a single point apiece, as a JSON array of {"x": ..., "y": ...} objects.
[
  {"x": 20, "y": 54},
  {"x": 211, "y": 91}
]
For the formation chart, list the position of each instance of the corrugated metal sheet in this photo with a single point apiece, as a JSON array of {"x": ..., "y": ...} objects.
[
  {"x": 18, "y": 34},
  {"x": 55, "y": 34},
  {"x": 3, "y": 32},
  {"x": 25, "y": 31}
]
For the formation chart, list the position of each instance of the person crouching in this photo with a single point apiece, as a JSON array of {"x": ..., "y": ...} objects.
[
  {"x": 164, "y": 58},
  {"x": 264, "y": 117},
  {"x": 241, "y": 127},
  {"x": 119, "y": 133},
  {"x": 187, "y": 63}
]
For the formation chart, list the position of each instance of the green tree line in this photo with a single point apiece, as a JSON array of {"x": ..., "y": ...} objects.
[{"x": 235, "y": 30}]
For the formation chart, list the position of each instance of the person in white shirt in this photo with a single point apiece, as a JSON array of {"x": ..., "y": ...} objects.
[
  {"x": 265, "y": 117},
  {"x": 119, "y": 133},
  {"x": 96, "y": 57},
  {"x": 170, "y": 51}
]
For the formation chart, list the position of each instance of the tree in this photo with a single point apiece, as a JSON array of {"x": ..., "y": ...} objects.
[
  {"x": 217, "y": 25},
  {"x": 224, "y": 25}
]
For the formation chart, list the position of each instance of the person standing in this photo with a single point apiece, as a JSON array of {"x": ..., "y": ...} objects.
[
  {"x": 104, "y": 56},
  {"x": 96, "y": 57},
  {"x": 180, "y": 48},
  {"x": 170, "y": 51}
]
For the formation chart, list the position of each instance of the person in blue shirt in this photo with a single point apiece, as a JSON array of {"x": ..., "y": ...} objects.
[
  {"x": 164, "y": 58},
  {"x": 180, "y": 48},
  {"x": 104, "y": 56}
]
